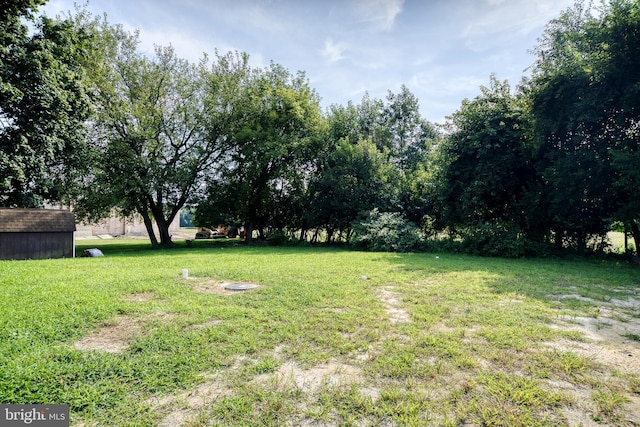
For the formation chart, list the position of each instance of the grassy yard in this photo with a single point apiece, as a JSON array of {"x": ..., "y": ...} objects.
[{"x": 329, "y": 337}]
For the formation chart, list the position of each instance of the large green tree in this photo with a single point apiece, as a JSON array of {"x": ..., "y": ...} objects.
[
  {"x": 407, "y": 136},
  {"x": 409, "y": 139},
  {"x": 44, "y": 103},
  {"x": 485, "y": 174},
  {"x": 352, "y": 179},
  {"x": 277, "y": 128},
  {"x": 585, "y": 98},
  {"x": 161, "y": 123},
  {"x": 376, "y": 157},
  {"x": 618, "y": 65}
]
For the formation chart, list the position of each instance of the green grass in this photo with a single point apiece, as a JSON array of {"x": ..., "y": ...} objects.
[{"x": 476, "y": 351}]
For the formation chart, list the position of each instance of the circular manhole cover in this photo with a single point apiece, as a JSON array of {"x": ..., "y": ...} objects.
[{"x": 240, "y": 286}]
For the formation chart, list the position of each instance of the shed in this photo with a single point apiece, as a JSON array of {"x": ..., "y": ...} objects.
[{"x": 36, "y": 234}]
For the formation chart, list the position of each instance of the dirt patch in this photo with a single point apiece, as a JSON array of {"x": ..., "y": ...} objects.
[
  {"x": 141, "y": 297},
  {"x": 115, "y": 335},
  {"x": 181, "y": 409},
  {"x": 112, "y": 337},
  {"x": 608, "y": 333},
  {"x": 185, "y": 406},
  {"x": 212, "y": 286},
  {"x": 604, "y": 328},
  {"x": 632, "y": 304},
  {"x": 605, "y": 343},
  {"x": 333, "y": 374},
  {"x": 573, "y": 296},
  {"x": 609, "y": 340},
  {"x": 391, "y": 302}
]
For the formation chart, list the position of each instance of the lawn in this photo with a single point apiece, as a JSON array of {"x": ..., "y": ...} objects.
[{"x": 329, "y": 337}]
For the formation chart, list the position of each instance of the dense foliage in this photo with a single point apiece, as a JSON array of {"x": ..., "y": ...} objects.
[
  {"x": 43, "y": 104},
  {"x": 548, "y": 166}
]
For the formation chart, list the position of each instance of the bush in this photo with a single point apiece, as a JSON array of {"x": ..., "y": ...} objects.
[
  {"x": 500, "y": 240},
  {"x": 385, "y": 231},
  {"x": 277, "y": 237},
  {"x": 492, "y": 240}
]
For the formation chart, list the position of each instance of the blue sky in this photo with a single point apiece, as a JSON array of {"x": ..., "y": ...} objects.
[{"x": 442, "y": 50}]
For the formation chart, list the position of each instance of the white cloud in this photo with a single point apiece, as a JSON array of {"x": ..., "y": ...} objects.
[
  {"x": 436, "y": 83},
  {"x": 380, "y": 13},
  {"x": 256, "y": 17},
  {"x": 333, "y": 52},
  {"x": 186, "y": 46},
  {"x": 442, "y": 50},
  {"x": 496, "y": 22}
]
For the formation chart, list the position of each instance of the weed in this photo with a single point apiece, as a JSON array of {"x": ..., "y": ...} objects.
[
  {"x": 608, "y": 403},
  {"x": 633, "y": 337}
]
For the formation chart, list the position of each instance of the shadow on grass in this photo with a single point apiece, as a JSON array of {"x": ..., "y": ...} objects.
[
  {"x": 140, "y": 248},
  {"x": 541, "y": 278}
]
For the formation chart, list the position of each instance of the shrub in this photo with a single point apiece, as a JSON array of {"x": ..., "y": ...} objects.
[
  {"x": 277, "y": 237},
  {"x": 385, "y": 231},
  {"x": 500, "y": 240},
  {"x": 492, "y": 240}
]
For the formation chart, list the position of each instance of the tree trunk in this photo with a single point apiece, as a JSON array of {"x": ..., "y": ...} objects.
[
  {"x": 329, "y": 234},
  {"x": 558, "y": 240},
  {"x": 156, "y": 207},
  {"x": 582, "y": 242},
  {"x": 163, "y": 230},
  {"x": 149, "y": 226},
  {"x": 635, "y": 232},
  {"x": 626, "y": 242},
  {"x": 248, "y": 228}
]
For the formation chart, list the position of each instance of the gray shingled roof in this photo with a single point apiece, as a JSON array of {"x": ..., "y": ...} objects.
[{"x": 36, "y": 220}]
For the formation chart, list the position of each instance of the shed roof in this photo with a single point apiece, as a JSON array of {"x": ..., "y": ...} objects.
[{"x": 36, "y": 220}]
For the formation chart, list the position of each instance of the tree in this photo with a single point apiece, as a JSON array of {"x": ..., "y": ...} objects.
[
  {"x": 276, "y": 135},
  {"x": 586, "y": 109},
  {"x": 405, "y": 133},
  {"x": 44, "y": 103},
  {"x": 618, "y": 35},
  {"x": 376, "y": 158},
  {"x": 352, "y": 179},
  {"x": 161, "y": 123},
  {"x": 486, "y": 175},
  {"x": 409, "y": 139}
]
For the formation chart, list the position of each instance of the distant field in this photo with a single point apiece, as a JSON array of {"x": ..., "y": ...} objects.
[{"x": 328, "y": 337}]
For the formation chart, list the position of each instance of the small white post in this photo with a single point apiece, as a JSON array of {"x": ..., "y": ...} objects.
[{"x": 185, "y": 273}]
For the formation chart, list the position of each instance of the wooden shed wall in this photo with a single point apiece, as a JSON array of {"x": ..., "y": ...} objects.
[{"x": 40, "y": 245}]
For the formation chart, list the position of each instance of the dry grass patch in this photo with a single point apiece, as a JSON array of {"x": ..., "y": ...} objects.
[
  {"x": 290, "y": 375},
  {"x": 601, "y": 390},
  {"x": 606, "y": 339},
  {"x": 141, "y": 297},
  {"x": 391, "y": 302},
  {"x": 115, "y": 335},
  {"x": 184, "y": 408},
  {"x": 207, "y": 324}
]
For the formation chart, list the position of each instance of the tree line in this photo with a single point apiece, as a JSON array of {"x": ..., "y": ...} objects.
[{"x": 89, "y": 119}]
